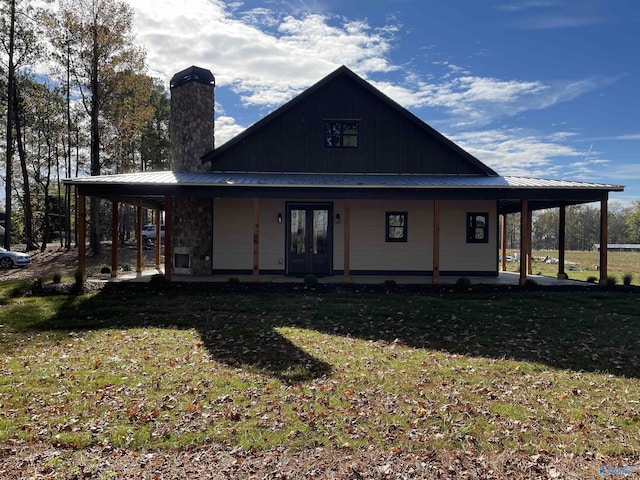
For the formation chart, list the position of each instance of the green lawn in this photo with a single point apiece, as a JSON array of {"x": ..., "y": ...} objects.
[
  {"x": 137, "y": 368},
  {"x": 581, "y": 265}
]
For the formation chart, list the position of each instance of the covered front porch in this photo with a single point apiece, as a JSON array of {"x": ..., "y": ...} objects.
[
  {"x": 503, "y": 278},
  {"x": 162, "y": 191}
]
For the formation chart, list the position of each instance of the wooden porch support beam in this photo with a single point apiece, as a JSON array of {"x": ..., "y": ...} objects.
[
  {"x": 158, "y": 239},
  {"x": 503, "y": 242},
  {"x": 82, "y": 229},
  {"x": 168, "y": 219},
  {"x": 604, "y": 240},
  {"x": 347, "y": 242},
  {"x": 138, "y": 239},
  {"x": 529, "y": 243},
  {"x": 525, "y": 235},
  {"x": 256, "y": 240},
  {"x": 114, "y": 238},
  {"x": 436, "y": 242},
  {"x": 562, "y": 240}
]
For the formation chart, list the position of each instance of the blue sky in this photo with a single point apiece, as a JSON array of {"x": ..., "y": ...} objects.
[{"x": 543, "y": 88}]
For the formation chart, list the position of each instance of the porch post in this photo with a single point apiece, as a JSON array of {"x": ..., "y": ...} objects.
[
  {"x": 256, "y": 240},
  {"x": 436, "y": 242},
  {"x": 529, "y": 243},
  {"x": 347, "y": 242},
  {"x": 604, "y": 239},
  {"x": 114, "y": 238},
  {"x": 524, "y": 238},
  {"x": 503, "y": 242},
  {"x": 562, "y": 240},
  {"x": 158, "y": 239},
  {"x": 82, "y": 228},
  {"x": 138, "y": 239},
  {"x": 168, "y": 219}
]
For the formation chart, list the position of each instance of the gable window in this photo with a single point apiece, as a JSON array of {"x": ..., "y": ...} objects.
[
  {"x": 396, "y": 225},
  {"x": 341, "y": 134},
  {"x": 477, "y": 227}
]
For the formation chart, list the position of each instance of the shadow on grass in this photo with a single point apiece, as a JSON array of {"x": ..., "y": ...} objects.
[
  {"x": 233, "y": 330},
  {"x": 594, "y": 331}
]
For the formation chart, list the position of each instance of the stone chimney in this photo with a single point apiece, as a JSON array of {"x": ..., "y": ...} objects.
[
  {"x": 192, "y": 114},
  {"x": 192, "y": 136}
]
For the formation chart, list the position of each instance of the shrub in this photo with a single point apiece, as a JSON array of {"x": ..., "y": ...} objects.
[
  {"x": 592, "y": 279},
  {"x": 234, "y": 280},
  {"x": 37, "y": 283},
  {"x": 611, "y": 281},
  {"x": 390, "y": 284},
  {"x": 57, "y": 277},
  {"x": 126, "y": 267},
  {"x": 463, "y": 282},
  {"x": 105, "y": 269},
  {"x": 158, "y": 280},
  {"x": 530, "y": 283},
  {"x": 310, "y": 279},
  {"x": 78, "y": 277},
  {"x": 627, "y": 278}
]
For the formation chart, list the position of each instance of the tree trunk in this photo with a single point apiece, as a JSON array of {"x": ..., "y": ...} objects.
[
  {"x": 96, "y": 227},
  {"x": 10, "y": 115},
  {"x": 28, "y": 209}
]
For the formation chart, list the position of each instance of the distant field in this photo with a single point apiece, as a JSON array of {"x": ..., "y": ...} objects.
[{"x": 580, "y": 265}]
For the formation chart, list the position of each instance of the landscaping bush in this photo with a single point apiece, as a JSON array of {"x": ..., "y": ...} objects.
[
  {"x": 105, "y": 269},
  {"x": 78, "y": 276},
  {"x": 310, "y": 279},
  {"x": 463, "y": 282},
  {"x": 627, "y": 278},
  {"x": 57, "y": 277}
]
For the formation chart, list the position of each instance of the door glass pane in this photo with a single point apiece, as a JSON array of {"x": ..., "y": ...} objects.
[
  {"x": 320, "y": 231},
  {"x": 298, "y": 230}
]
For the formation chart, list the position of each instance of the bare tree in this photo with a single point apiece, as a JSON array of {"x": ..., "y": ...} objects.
[{"x": 97, "y": 36}]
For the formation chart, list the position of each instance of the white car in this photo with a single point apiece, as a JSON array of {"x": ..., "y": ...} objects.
[
  {"x": 13, "y": 259},
  {"x": 149, "y": 234}
]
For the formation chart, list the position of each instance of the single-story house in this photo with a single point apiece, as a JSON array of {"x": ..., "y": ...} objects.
[
  {"x": 339, "y": 181},
  {"x": 619, "y": 247}
]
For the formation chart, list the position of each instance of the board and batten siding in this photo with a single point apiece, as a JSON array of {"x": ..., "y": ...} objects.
[
  {"x": 455, "y": 253},
  {"x": 370, "y": 252},
  {"x": 233, "y": 234}
]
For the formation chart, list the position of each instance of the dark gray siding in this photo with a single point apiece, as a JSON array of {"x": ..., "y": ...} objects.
[{"x": 390, "y": 140}]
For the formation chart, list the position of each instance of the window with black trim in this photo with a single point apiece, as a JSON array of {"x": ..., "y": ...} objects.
[
  {"x": 477, "y": 227},
  {"x": 396, "y": 225},
  {"x": 341, "y": 134}
]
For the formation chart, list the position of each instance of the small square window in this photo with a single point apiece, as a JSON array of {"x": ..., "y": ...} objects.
[
  {"x": 477, "y": 227},
  {"x": 396, "y": 225},
  {"x": 341, "y": 134}
]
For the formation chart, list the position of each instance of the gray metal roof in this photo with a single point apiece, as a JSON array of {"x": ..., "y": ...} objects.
[{"x": 319, "y": 180}]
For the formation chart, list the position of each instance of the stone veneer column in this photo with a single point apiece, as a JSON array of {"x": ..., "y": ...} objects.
[{"x": 192, "y": 136}]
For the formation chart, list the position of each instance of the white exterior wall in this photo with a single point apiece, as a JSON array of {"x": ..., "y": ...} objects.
[
  {"x": 455, "y": 253},
  {"x": 233, "y": 235},
  {"x": 370, "y": 251}
]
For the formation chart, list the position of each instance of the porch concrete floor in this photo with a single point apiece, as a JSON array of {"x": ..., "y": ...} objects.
[{"x": 503, "y": 278}]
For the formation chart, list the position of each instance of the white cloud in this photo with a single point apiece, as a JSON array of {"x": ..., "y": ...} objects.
[
  {"x": 261, "y": 56},
  {"x": 517, "y": 152},
  {"x": 226, "y": 128},
  {"x": 266, "y": 57}
]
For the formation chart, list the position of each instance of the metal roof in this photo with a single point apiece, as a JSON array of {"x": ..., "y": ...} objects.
[
  {"x": 150, "y": 189},
  {"x": 320, "y": 180}
]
